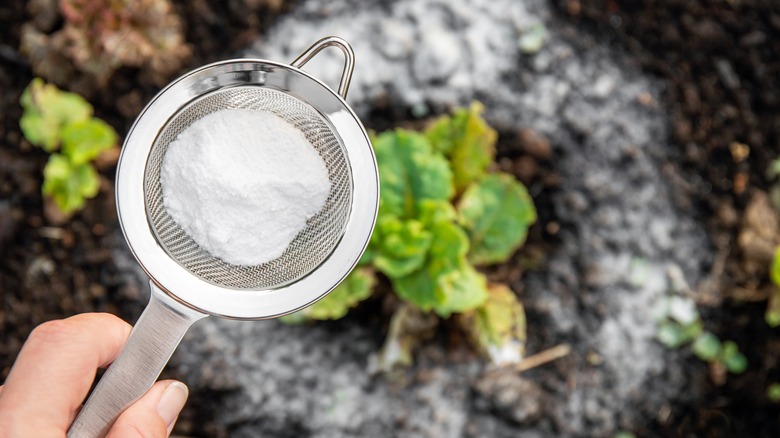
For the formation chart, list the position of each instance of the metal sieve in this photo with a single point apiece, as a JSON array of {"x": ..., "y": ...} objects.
[
  {"x": 187, "y": 282},
  {"x": 312, "y": 245}
]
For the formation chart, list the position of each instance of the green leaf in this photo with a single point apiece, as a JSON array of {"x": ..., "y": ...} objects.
[
  {"x": 409, "y": 172},
  {"x": 46, "y": 110},
  {"x": 774, "y": 270},
  {"x": 68, "y": 184},
  {"x": 736, "y": 364},
  {"x": 354, "y": 289},
  {"x": 422, "y": 287},
  {"x": 448, "y": 246},
  {"x": 54, "y": 103},
  {"x": 734, "y": 361},
  {"x": 418, "y": 288},
  {"x": 401, "y": 246},
  {"x": 772, "y": 315},
  {"x": 706, "y": 347},
  {"x": 496, "y": 213},
  {"x": 532, "y": 39},
  {"x": 40, "y": 131},
  {"x": 450, "y": 243},
  {"x": 432, "y": 212},
  {"x": 64, "y": 106},
  {"x": 675, "y": 335},
  {"x": 446, "y": 283},
  {"x": 84, "y": 140},
  {"x": 773, "y": 392},
  {"x": 498, "y": 326},
  {"x": 467, "y": 140},
  {"x": 460, "y": 289}
]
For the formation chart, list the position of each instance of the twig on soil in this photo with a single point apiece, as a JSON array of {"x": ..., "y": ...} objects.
[{"x": 543, "y": 357}]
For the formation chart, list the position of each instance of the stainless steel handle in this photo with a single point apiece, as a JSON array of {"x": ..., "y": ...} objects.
[
  {"x": 149, "y": 347},
  {"x": 349, "y": 59}
]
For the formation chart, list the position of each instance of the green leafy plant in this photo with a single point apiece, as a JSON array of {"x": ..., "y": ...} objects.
[
  {"x": 681, "y": 325},
  {"x": 442, "y": 214},
  {"x": 61, "y": 123}
]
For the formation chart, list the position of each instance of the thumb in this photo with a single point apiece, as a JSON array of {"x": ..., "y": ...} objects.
[{"x": 154, "y": 414}]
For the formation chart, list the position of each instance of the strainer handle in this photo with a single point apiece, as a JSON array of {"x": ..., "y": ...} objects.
[
  {"x": 349, "y": 59},
  {"x": 151, "y": 343}
]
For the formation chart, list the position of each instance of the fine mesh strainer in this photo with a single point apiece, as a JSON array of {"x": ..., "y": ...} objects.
[
  {"x": 310, "y": 247},
  {"x": 187, "y": 282}
]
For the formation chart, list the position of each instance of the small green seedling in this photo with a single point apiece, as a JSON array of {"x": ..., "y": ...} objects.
[
  {"x": 61, "y": 123},
  {"x": 730, "y": 356},
  {"x": 706, "y": 347},
  {"x": 681, "y": 325},
  {"x": 442, "y": 214},
  {"x": 532, "y": 39}
]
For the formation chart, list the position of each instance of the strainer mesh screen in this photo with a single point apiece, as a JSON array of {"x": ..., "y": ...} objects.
[{"x": 312, "y": 245}]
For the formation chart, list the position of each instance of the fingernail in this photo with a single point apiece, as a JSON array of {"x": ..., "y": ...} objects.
[{"x": 171, "y": 402}]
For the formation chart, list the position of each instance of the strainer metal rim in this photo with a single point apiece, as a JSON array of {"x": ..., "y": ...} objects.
[{"x": 205, "y": 296}]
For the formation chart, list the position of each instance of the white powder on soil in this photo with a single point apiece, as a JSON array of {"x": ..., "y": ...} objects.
[{"x": 242, "y": 184}]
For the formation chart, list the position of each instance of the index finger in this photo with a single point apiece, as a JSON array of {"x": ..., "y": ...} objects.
[{"x": 55, "y": 369}]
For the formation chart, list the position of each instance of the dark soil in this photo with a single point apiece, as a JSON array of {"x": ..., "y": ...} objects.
[
  {"x": 721, "y": 63},
  {"x": 51, "y": 270},
  {"x": 47, "y": 272}
]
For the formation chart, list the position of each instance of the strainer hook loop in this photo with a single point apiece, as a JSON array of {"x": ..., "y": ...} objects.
[{"x": 349, "y": 59}]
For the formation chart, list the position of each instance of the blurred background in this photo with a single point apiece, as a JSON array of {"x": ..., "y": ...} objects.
[{"x": 638, "y": 295}]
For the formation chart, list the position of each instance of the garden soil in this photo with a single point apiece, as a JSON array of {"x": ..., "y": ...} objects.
[
  {"x": 720, "y": 63},
  {"x": 622, "y": 126}
]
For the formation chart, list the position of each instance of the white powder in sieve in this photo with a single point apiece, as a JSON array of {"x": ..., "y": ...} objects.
[{"x": 242, "y": 184}]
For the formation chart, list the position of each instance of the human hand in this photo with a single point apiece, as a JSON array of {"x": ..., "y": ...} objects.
[{"x": 55, "y": 369}]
